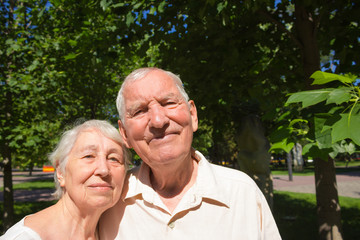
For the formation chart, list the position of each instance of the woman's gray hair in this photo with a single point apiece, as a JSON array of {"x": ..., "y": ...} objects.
[
  {"x": 59, "y": 156},
  {"x": 139, "y": 74}
]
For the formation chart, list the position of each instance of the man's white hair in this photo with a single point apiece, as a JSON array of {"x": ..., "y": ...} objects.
[{"x": 140, "y": 74}]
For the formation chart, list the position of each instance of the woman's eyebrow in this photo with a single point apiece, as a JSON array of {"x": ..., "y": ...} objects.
[{"x": 88, "y": 147}]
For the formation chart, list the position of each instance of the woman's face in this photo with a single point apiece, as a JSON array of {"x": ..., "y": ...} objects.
[{"x": 95, "y": 171}]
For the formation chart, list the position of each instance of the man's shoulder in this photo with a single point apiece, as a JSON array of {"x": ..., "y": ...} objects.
[
  {"x": 224, "y": 175},
  {"x": 230, "y": 174}
]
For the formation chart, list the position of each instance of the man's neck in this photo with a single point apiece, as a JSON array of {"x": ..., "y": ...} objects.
[{"x": 172, "y": 185}]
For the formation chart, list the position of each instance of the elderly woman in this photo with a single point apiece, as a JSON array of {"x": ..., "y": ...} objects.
[{"x": 90, "y": 162}]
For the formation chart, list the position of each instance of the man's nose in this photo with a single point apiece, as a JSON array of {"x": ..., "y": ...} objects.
[
  {"x": 102, "y": 168},
  {"x": 158, "y": 117}
]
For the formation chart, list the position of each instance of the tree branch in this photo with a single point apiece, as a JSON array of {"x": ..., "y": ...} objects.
[{"x": 282, "y": 27}]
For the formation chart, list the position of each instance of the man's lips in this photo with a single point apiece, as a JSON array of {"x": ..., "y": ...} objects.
[{"x": 161, "y": 137}]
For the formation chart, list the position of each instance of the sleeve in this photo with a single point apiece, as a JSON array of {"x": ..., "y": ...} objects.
[
  {"x": 20, "y": 232},
  {"x": 269, "y": 229}
]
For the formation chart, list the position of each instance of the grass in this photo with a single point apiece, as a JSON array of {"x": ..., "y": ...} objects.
[
  {"x": 33, "y": 185},
  {"x": 354, "y": 163},
  {"x": 306, "y": 172},
  {"x": 295, "y": 215}
]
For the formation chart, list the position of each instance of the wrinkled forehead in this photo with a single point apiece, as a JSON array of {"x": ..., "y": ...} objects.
[{"x": 155, "y": 83}]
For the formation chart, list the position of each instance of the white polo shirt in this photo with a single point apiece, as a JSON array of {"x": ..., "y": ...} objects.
[{"x": 222, "y": 204}]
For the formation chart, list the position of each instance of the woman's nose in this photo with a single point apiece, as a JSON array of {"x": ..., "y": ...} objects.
[{"x": 102, "y": 168}]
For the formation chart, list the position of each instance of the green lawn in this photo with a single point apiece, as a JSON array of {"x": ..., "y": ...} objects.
[
  {"x": 295, "y": 214},
  {"x": 31, "y": 185}
]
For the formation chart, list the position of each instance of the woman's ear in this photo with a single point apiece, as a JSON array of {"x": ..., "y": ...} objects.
[{"x": 60, "y": 177}]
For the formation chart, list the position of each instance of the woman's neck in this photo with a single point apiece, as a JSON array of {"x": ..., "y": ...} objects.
[{"x": 80, "y": 223}]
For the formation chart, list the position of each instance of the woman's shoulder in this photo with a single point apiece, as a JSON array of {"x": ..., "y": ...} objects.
[{"x": 20, "y": 232}]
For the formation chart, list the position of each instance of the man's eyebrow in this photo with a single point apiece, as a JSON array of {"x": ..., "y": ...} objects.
[
  {"x": 134, "y": 106},
  {"x": 171, "y": 95}
]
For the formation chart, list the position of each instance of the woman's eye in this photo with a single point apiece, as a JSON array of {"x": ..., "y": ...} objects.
[
  {"x": 114, "y": 159},
  {"x": 89, "y": 156}
]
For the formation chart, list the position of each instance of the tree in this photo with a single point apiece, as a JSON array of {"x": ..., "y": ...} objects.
[
  {"x": 27, "y": 86},
  {"x": 334, "y": 117}
]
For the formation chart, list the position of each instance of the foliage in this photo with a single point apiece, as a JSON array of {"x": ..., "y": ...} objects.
[{"x": 334, "y": 117}]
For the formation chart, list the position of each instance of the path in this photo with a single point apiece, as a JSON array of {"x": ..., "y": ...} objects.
[{"x": 348, "y": 184}]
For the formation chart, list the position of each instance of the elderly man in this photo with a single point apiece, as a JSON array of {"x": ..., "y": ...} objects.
[{"x": 176, "y": 193}]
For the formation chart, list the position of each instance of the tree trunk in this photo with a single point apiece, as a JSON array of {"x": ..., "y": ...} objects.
[
  {"x": 328, "y": 207},
  {"x": 298, "y": 158},
  {"x": 328, "y": 212},
  {"x": 289, "y": 165},
  {"x": 8, "y": 216},
  {"x": 254, "y": 157}
]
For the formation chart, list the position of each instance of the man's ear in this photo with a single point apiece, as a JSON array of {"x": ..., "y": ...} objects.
[
  {"x": 123, "y": 134},
  {"x": 193, "y": 115}
]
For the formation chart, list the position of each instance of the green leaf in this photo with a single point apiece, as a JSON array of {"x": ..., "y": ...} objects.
[
  {"x": 322, "y": 137},
  {"x": 312, "y": 150},
  {"x": 72, "y": 43},
  {"x": 34, "y": 65},
  {"x": 339, "y": 96},
  {"x": 343, "y": 147},
  {"x": 308, "y": 98},
  {"x": 129, "y": 19},
  {"x": 279, "y": 134},
  {"x": 41, "y": 12},
  {"x": 161, "y": 6},
  {"x": 221, "y": 6},
  {"x": 293, "y": 122},
  {"x": 283, "y": 145},
  {"x": 324, "y": 77},
  {"x": 152, "y": 10},
  {"x": 118, "y": 5},
  {"x": 347, "y": 128},
  {"x": 70, "y": 56}
]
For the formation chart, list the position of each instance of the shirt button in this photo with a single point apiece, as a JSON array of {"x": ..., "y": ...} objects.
[{"x": 171, "y": 225}]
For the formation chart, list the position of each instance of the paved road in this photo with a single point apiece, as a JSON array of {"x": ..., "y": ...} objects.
[{"x": 348, "y": 185}]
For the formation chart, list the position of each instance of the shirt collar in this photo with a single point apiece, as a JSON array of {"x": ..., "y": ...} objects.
[
  {"x": 207, "y": 182},
  {"x": 206, "y": 185}
]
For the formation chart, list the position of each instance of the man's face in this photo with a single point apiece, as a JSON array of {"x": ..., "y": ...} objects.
[{"x": 158, "y": 123}]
